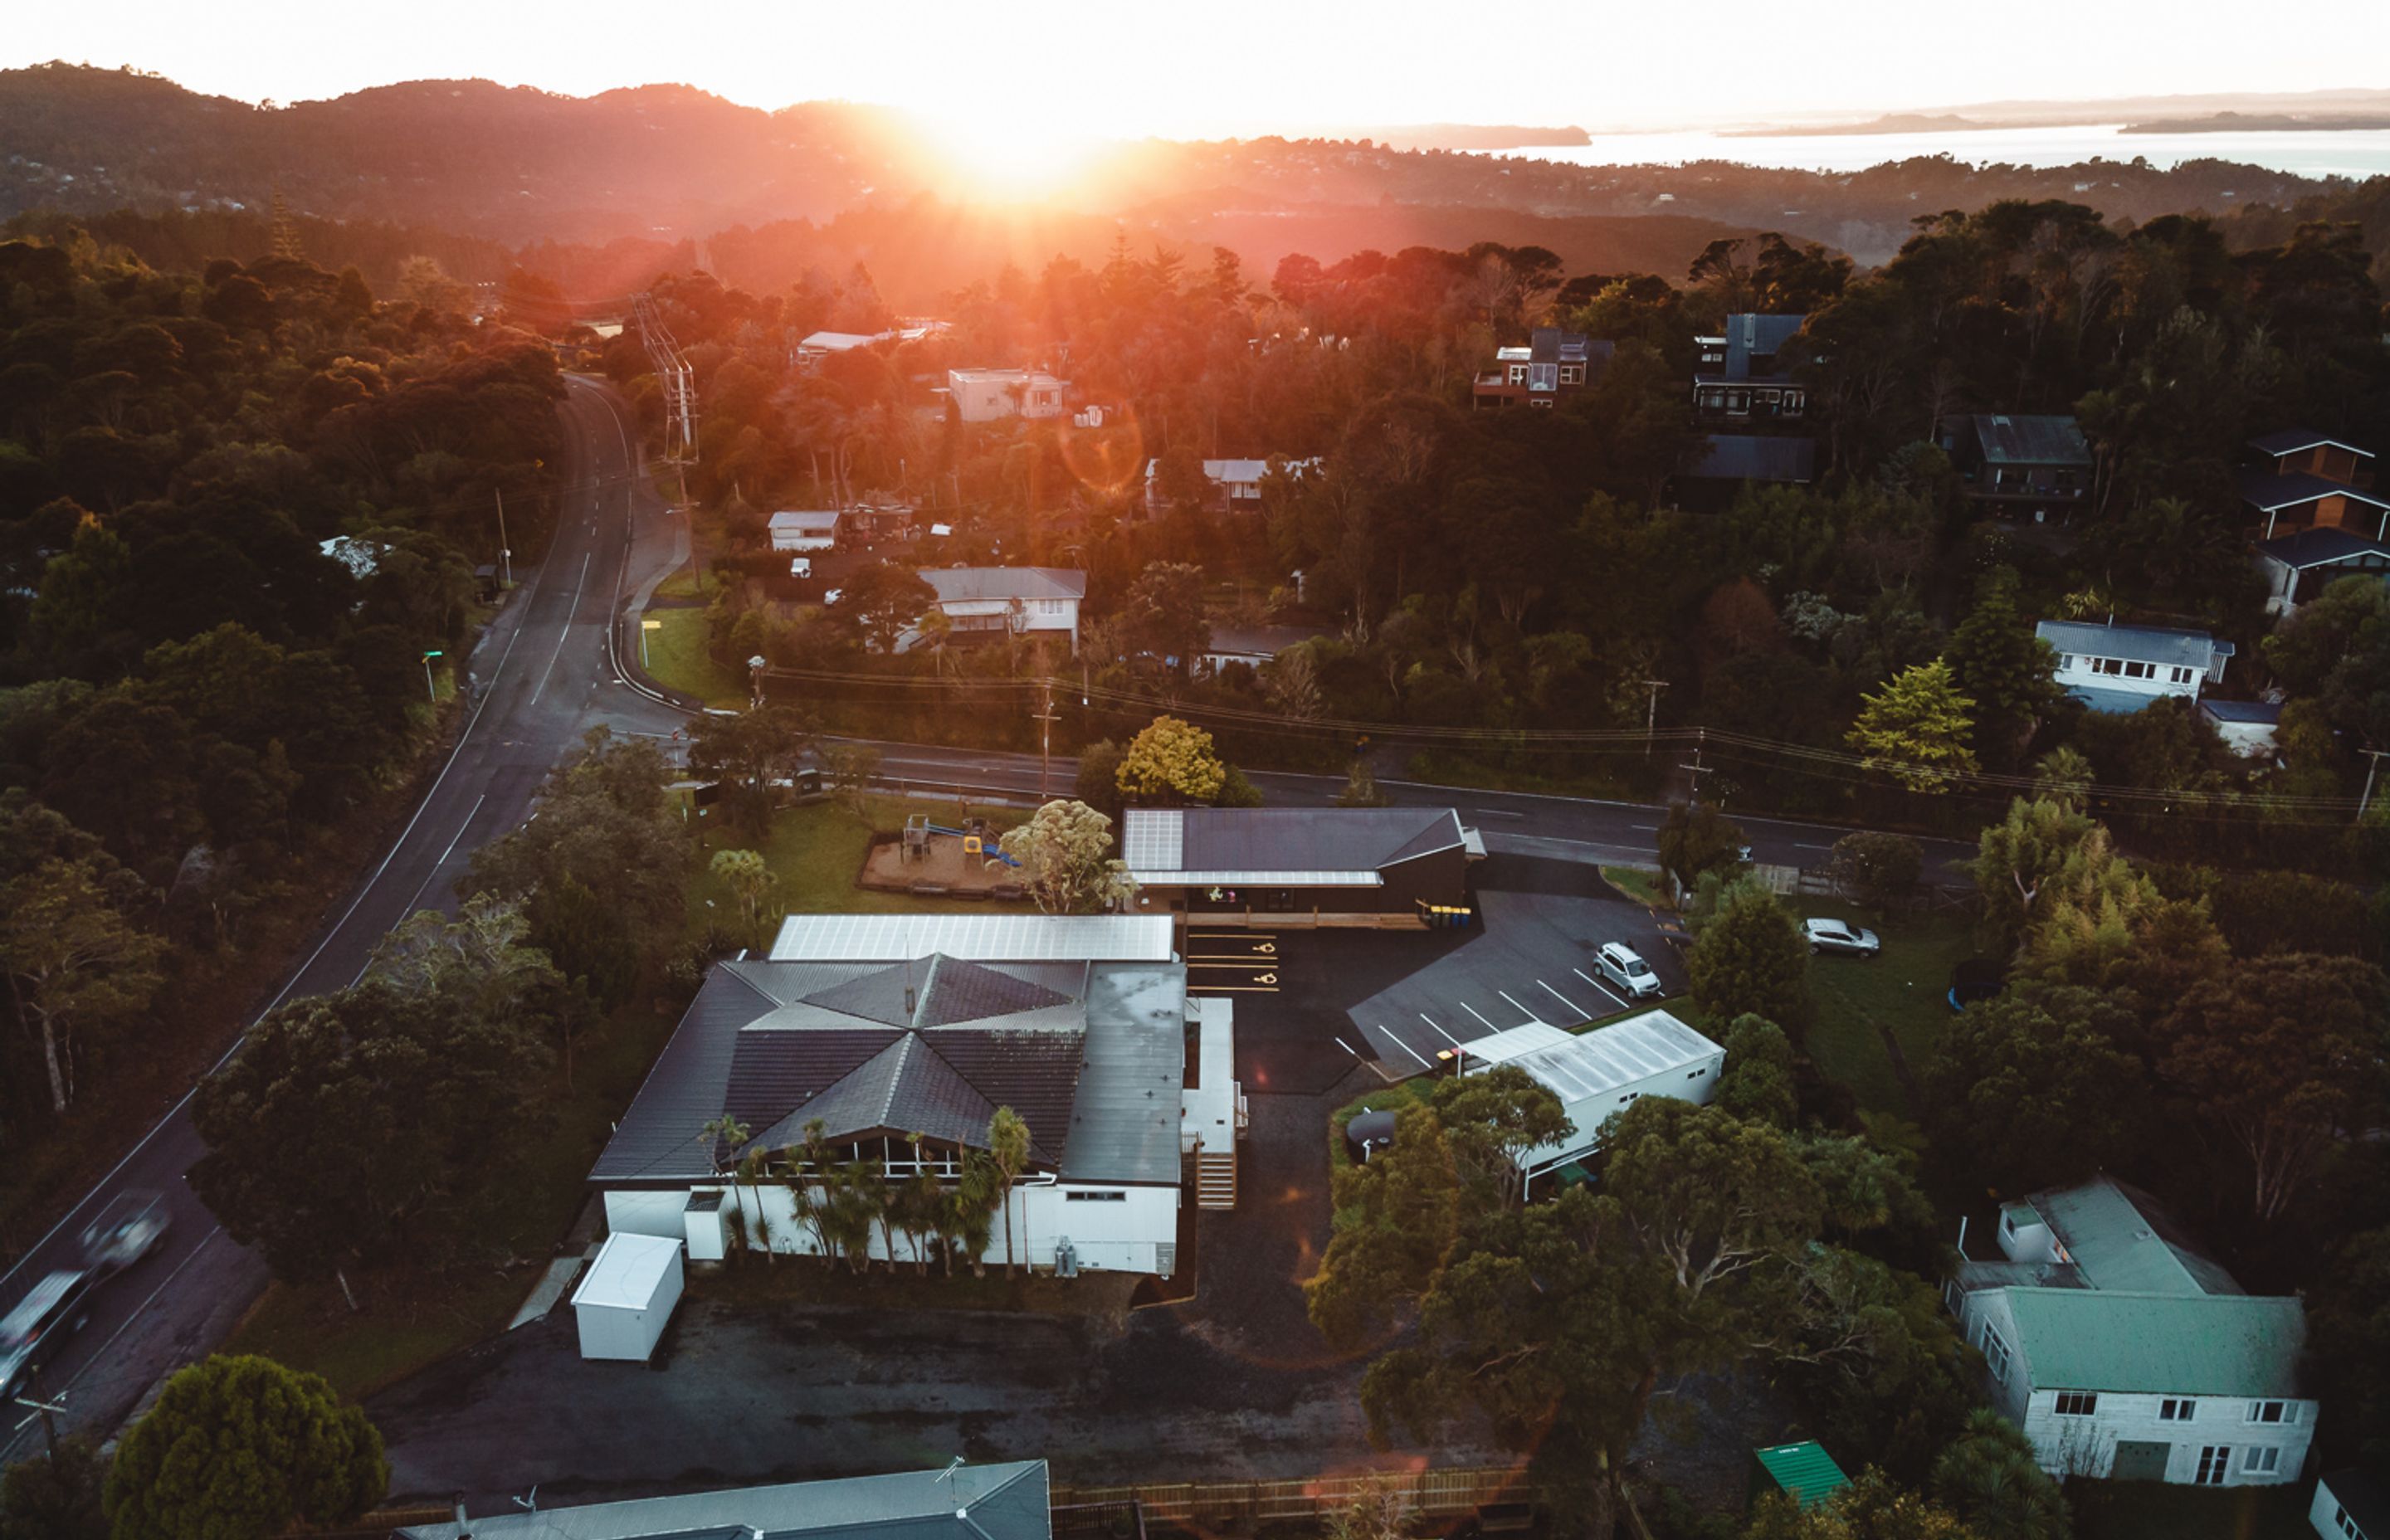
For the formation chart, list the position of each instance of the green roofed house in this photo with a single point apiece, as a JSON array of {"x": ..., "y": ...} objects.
[
  {"x": 1803, "y": 1472},
  {"x": 2123, "y": 1352}
]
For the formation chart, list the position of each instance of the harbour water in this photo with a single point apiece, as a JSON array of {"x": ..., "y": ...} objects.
[{"x": 2356, "y": 153}]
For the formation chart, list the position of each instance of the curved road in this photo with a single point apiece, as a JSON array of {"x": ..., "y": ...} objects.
[{"x": 543, "y": 673}]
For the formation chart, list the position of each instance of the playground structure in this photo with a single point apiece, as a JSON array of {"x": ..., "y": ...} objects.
[{"x": 980, "y": 843}]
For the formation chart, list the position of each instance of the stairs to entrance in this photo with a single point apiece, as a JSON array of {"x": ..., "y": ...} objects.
[{"x": 1216, "y": 1178}]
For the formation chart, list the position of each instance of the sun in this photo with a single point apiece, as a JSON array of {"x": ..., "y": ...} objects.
[{"x": 1009, "y": 150}]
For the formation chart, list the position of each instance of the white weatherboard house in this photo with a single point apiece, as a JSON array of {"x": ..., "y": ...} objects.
[
  {"x": 983, "y": 395},
  {"x": 901, "y": 1035},
  {"x": 2350, "y": 1505},
  {"x": 2123, "y": 668},
  {"x": 2124, "y": 1353},
  {"x": 989, "y": 601},
  {"x": 805, "y": 530},
  {"x": 1602, "y": 1072}
]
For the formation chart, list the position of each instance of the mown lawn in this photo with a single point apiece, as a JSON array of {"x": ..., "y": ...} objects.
[
  {"x": 1905, "y": 992},
  {"x": 1637, "y": 883},
  {"x": 676, "y": 658},
  {"x": 814, "y": 851},
  {"x": 2146, "y": 1510}
]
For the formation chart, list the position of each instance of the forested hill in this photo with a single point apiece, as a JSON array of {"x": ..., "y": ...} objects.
[{"x": 669, "y": 163}]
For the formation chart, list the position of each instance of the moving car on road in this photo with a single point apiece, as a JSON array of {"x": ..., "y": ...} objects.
[
  {"x": 1628, "y": 971},
  {"x": 125, "y": 1231},
  {"x": 1834, "y": 935},
  {"x": 31, "y": 1331}
]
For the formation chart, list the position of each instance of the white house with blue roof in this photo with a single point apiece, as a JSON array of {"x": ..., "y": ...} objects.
[
  {"x": 2123, "y": 668},
  {"x": 2125, "y": 1353}
]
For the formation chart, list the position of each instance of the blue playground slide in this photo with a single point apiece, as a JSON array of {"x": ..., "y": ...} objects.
[{"x": 992, "y": 852}]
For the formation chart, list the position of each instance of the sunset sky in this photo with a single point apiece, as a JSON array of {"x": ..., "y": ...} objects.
[{"x": 1236, "y": 67}]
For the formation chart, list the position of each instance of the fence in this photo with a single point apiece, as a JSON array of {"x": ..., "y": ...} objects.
[{"x": 1429, "y": 1492}]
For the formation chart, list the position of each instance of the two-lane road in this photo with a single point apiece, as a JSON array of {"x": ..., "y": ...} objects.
[{"x": 541, "y": 675}]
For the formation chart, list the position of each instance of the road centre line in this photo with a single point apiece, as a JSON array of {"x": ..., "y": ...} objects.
[
  {"x": 140, "y": 1310},
  {"x": 1564, "y": 999},
  {"x": 562, "y": 635},
  {"x": 1494, "y": 813},
  {"x": 445, "y": 854}
]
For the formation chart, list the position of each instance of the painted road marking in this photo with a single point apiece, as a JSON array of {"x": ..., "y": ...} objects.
[
  {"x": 1563, "y": 999},
  {"x": 1346, "y": 1047},
  {"x": 1406, "y": 1048},
  {"x": 1596, "y": 983},
  {"x": 1495, "y": 813},
  {"x": 1522, "y": 1010},
  {"x": 1473, "y": 1011},
  {"x": 569, "y": 614},
  {"x": 1439, "y": 1030}
]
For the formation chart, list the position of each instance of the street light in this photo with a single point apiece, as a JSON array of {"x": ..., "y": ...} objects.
[{"x": 429, "y": 688}]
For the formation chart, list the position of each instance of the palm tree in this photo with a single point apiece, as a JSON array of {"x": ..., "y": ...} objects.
[
  {"x": 728, "y": 1130},
  {"x": 852, "y": 1206},
  {"x": 920, "y": 1210},
  {"x": 808, "y": 1183},
  {"x": 1008, "y": 1145},
  {"x": 971, "y": 1214},
  {"x": 754, "y": 1167}
]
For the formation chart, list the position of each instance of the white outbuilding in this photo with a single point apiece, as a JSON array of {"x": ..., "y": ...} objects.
[
  {"x": 1600, "y": 1073},
  {"x": 628, "y": 1295}
]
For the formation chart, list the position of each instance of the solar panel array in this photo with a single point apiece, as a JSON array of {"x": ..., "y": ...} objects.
[{"x": 1154, "y": 839}]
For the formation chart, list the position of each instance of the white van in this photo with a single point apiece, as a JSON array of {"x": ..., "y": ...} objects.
[{"x": 1627, "y": 973}]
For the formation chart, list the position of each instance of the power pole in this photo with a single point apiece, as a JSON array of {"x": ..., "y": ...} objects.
[
  {"x": 2373, "y": 764},
  {"x": 1045, "y": 714},
  {"x": 1652, "y": 718},
  {"x": 504, "y": 555},
  {"x": 1697, "y": 769},
  {"x": 47, "y": 1408}
]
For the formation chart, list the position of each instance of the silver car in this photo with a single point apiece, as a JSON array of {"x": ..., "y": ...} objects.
[
  {"x": 1834, "y": 935},
  {"x": 1626, "y": 970},
  {"x": 56, "y": 1306}
]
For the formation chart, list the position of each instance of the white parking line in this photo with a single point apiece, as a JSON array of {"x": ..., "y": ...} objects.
[
  {"x": 1598, "y": 984},
  {"x": 1562, "y": 998},
  {"x": 1522, "y": 1010},
  {"x": 1439, "y": 1030},
  {"x": 1797, "y": 845},
  {"x": 1494, "y": 813},
  {"x": 1346, "y": 1047},
  {"x": 1473, "y": 1011},
  {"x": 1649, "y": 829},
  {"x": 1406, "y": 1048}
]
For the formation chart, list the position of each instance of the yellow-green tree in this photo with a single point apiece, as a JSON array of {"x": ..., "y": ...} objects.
[
  {"x": 1171, "y": 761},
  {"x": 1916, "y": 728},
  {"x": 750, "y": 881}
]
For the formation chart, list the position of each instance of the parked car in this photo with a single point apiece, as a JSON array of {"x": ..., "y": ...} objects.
[
  {"x": 32, "y": 1330},
  {"x": 132, "y": 1224},
  {"x": 1368, "y": 1133},
  {"x": 1626, "y": 968},
  {"x": 1834, "y": 935}
]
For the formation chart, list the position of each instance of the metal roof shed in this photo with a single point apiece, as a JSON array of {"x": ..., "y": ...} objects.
[
  {"x": 1803, "y": 1472},
  {"x": 627, "y": 1296},
  {"x": 1602, "y": 1072}
]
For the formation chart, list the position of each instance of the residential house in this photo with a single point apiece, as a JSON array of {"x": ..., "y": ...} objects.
[
  {"x": 2020, "y": 465},
  {"x": 980, "y": 603},
  {"x": 2123, "y": 668},
  {"x": 1729, "y": 462},
  {"x": 1387, "y": 865},
  {"x": 1010, "y": 1501},
  {"x": 2247, "y": 727},
  {"x": 805, "y": 530},
  {"x": 1599, "y": 1074},
  {"x": 1551, "y": 365},
  {"x": 2280, "y": 504},
  {"x": 901, "y": 1035},
  {"x": 1746, "y": 372},
  {"x": 819, "y": 345},
  {"x": 985, "y": 395},
  {"x": 1253, "y": 645},
  {"x": 2350, "y": 1505},
  {"x": 1230, "y": 486},
  {"x": 2124, "y": 1353},
  {"x": 2304, "y": 452},
  {"x": 2302, "y": 564}
]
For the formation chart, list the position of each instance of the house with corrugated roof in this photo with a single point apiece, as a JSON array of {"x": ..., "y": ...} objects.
[
  {"x": 1726, "y": 463},
  {"x": 2124, "y": 1352},
  {"x": 988, "y": 603},
  {"x": 1229, "y": 486},
  {"x": 1550, "y": 365},
  {"x": 1385, "y": 866},
  {"x": 2021, "y": 466},
  {"x": 2123, "y": 668},
  {"x": 1746, "y": 372},
  {"x": 1598, "y": 1075},
  {"x": 2301, "y": 565},
  {"x": 1009, "y": 1501},
  {"x": 893, "y": 1039}
]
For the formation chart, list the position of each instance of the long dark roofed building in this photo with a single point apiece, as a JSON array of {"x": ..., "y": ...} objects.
[{"x": 1387, "y": 863}]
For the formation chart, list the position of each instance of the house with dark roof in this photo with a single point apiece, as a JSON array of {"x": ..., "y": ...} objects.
[
  {"x": 2304, "y": 452},
  {"x": 2247, "y": 727},
  {"x": 1745, "y": 373},
  {"x": 2020, "y": 465},
  {"x": 1729, "y": 462},
  {"x": 2300, "y": 565},
  {"x": 2350, "y": 1505},
  {"x": 875, "y": 1039},
  {"x": 1012, "y": 1501},
  {"x": 2276, "y": 504},
  {"x": 2123, "y": 668},
  {"x": 1551, "y": 365},
  {"x": 1386, "y": 866},
  {"x": 1229, "y": 486},
  {"x": 2124, "y": 1352}
]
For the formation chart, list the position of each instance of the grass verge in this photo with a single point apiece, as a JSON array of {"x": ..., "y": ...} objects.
[
  {"x": 814, "y": 854},
  {"x": 1641, "y": 886},
  {"x": 1413, "y": 1092},
  {"x": 676, "y": 658},
  {"x": 1904, "y": 992}
]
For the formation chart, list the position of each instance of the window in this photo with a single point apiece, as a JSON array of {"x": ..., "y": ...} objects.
[
  {"x": 1543, "y": 377},
  {"x": 2272, "y": 1412},
  {"x": 2261, "y": 1460},
  {"x": 2139, "y": 670},
  {"x": 2177, "y": 1410},
  {"x": 1518, "y": 374},
  {"x": 2065, "y": 662},
  {"x": 1572, "y": 373},
  {"x": 2107, "y": 665},
  {"x": 1738, "y": 404},
  {"x": 2077, "y": 1403},
  {"x": 1697, "y": 1074},
  {"x": 2180, "y": 675},
  {"x": 1095, "y": 1198},
  {"x": 1794, "y": 401},
  {"x": 1996, "y": 1354},
  {"x": 2215, "y": 1459},
  {"x": 2346, "y": 1526}
]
